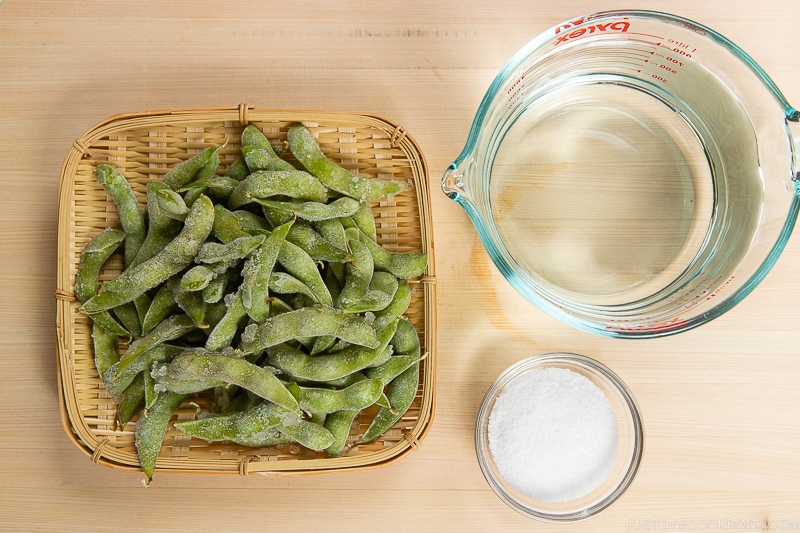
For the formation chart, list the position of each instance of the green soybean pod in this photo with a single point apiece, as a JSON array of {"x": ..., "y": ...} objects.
[
  {"x": 398, "y": 305},
  {"x": 220, "y": 188},
  {"x": 237, "y": 170},
  {"x": 327, "y": 367},
  {"x": 130, "y": 213},
  {"x": 176, "y": 256},
  {"x": 215, "y": 290},
  {"x": 234, "y": 371},
  {"x": 300, "y": 265},
  {"x": 402, "y": 390},
  {"x": 253, "y": 137},
  {"x": 129, "y": 317},
  {"x": 308, "y": 434},
  {"x": 339, "y": 424},
  {"x": 226, "y": 227},
  {"x": 308, "y": 322},
  {"x": 257, "y": 159},
  {"x": 203, "y": 178},
  {"x": 248, "y": 428},
  {"x": 365, "y": 221},
  {"x": 283, "y": 283},
  {"x": 132, "y": 399},
  {"x": 248, "y": 221},
  {"x": 161, "y": 307},
  {"x": 185, "y": 171},
  {"x": 291, "y": 183},
  {"x": 223, "y": 333},
  {"x": 305, "y": 148},
  {"x": 358, "y": 275},
  {"x": 163, "y": 382},
  {"x": 150, "y": 393},
  {"x": 214, "y": 252},
  {"x": 197, "y": 278},
  {"x": 396, "y": 365},
  {"x": 355, "y": 397},
  {"x": 161, "y": 227},
  {"x": 94, "y": 255},
  {"x": 382, "y": 289},
  {"x": 315, "y": 245},
  {"x": 150, "y": 430},
  {"x": 169, "y": 329},
  {"x": 314, "y": 211},
  {"x": 117, "y": 383},
  {"x": 191, "y": 302},
  {"x": 402, "y": 265},
  {"x": 257, "y": 273},
  {"x": 172, "y": 204},
  {"x": 106, "y": 351}
]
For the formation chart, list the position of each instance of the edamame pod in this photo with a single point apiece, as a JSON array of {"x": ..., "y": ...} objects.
[
  {"x": 339, "y": 424},
  {"x": 214, "y": 252},
  {"x": 257, "y": 272},
  {"x": 94, "y": 255},
  {"x": 161, "y": 307},
  {"x": 365, "y": 221},
  {"x": 253, "y": 137},
  {"x": 315, "y": 245},
  {"x": 222, "y": 334},
  {"x": 237, "y": 170},
  {"x": 172, "y": 204},
  {"x": 176, "y": 256},
  {"x": 305, "y": 148},
  {"x": 308, "y": 322},
  {"x": 161, "y": 227},
  {"x": 403, "y": 265},
  {"x": 204, "y": 177},
  {"x": 150, "y": 430},
  {"x": 117, "y": 383},
  {"x": 332, "y": 366},
  {"x": 130, "y": 213},
  {"x": 355, "y": 397},
  {"x": 197, "y": 278},
  {"x": 314, "y": 211},
  {"x": 170, "y": 329},
  {"x": 191, "y": 302},
  {"x": 358, "y": 275},
  {"x": 283, "y": 283},
  {"x": 106, "y": 351},
  {"x": 185, "y": 171},
  {"x": 398, "y": 305},
  {"x": 267, "y": 183},
  {"x": 300, "y": 265},
  {"x": 189, "y": 366},
  {"x": 382, "y": 289},
  {"x": 132, "y": 398}
]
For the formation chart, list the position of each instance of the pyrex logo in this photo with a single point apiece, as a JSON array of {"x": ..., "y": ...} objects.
[{"x": 619, "y": 26}]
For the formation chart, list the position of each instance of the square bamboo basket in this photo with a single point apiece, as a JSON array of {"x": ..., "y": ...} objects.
[{"x": 145, "y": 146}]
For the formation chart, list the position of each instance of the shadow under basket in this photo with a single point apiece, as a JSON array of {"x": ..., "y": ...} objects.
[{"x": 145, "y": 146}]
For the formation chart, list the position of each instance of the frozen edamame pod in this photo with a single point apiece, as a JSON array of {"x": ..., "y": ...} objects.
[
  {"x": 170, "y": 329},
  {"x": 106, "y": 351},
  {"x": 365, "y": 221},
  {"x": 191, "y": 302},
  {"x": 176, "y": 256},
  {"x": 215, "y": 290},
  {"x": 315, "y": 245},
  {"x": 308, "y": 322},
  {"x": 117, "y": 383},
  {"x": 358, "y": 275},
  {"x": 214, "y": 252},
  {"x": 403, "y": 389},
  {"x": 223, "y": 333},
  {"x": 163, "y": 382},
  {"x": 130, "y": 213},
  {"x": 257, "y": 272},
  {"x": 203, "y": 178},
  {"x": 283, "y": 283},
  {"x": 172, "y": 204},
  {"x": 132, "y": 398},
  {"x": 197, "y": 278},
  {"x": 403, "y": 265},
  {"x": 398, "y": 305},
  {"x": 338, "y": 424},
  {"x": 300, "y": 265},
  {"x": 94, "y": 255},
  {"x": 150, "y": 430},
  {"x": 189, "y": 366},
  {"x": 253, "y": 137},
  {"x": 355, "y": 397},
  {"x": 161, "y": 307},
  {"x": 161, "y": 227},
  {"x": 327, "y": 367},
  {"x": 185, "y": 171},
  {"x": 382, "y": 289},
  {"x": 251, "y": 221},
  {"x": 129, "y": 317},
  {"x": 267, "y": 183},
  {"x": 237, "y": 170},
  {"x": 305, "y": 148},
  {"x": 314, "y": 211}
]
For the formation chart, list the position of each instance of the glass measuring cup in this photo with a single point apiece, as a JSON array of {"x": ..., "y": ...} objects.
[{"x": 632, "y": 173}]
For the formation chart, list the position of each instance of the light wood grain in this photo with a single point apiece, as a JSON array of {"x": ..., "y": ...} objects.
[{"x": 720, "y": 403}]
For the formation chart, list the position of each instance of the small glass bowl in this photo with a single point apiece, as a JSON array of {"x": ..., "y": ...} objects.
[{"x": 629, "y": 451}]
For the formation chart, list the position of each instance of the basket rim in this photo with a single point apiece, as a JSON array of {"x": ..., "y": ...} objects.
[{"x": 247, "y": 113}]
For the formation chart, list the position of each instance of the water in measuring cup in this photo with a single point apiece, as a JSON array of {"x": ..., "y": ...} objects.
[{"x": 604, "y": 192}]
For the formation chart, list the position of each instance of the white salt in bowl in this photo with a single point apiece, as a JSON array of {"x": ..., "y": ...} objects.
[{"x": 569, "y": 443}]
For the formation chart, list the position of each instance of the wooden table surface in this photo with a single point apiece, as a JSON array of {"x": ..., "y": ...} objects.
[{"x": 721, "y": 403}]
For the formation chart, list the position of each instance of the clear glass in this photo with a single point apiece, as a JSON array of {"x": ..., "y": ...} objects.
[
  {"x": 631, "y": 173},
  {"x": 630, "y": 433}
]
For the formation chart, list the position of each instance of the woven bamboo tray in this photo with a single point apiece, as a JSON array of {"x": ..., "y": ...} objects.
[{"x": 145, "y": 146}]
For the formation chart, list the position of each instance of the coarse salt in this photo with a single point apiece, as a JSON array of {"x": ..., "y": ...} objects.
[{"x": 553, "y": 435}]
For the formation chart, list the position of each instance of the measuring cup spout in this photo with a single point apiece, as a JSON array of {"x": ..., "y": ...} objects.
[
  {"x": 793, "y": 127},
  {"x": 456, "y": 178}
]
